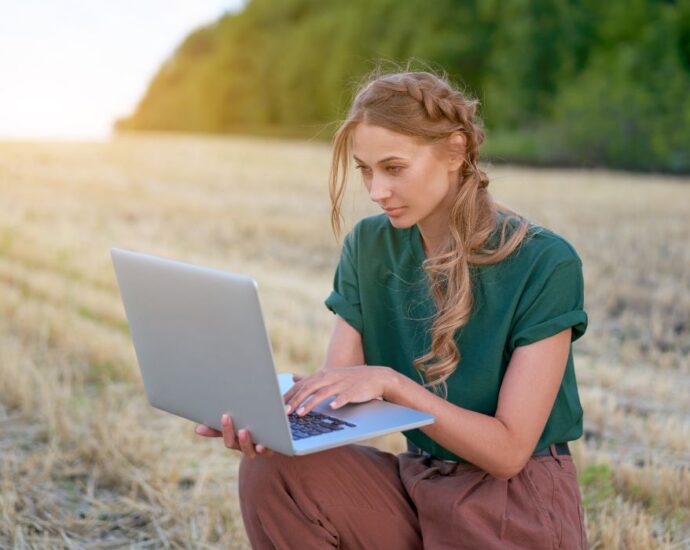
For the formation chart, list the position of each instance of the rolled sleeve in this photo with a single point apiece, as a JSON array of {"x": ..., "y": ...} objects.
[
  {"x": 553, "y": 302},
  {"x": 344, "y": 299}
]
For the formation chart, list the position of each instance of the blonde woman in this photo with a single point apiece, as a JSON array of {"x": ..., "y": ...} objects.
[{"x": 449, "y": 303}]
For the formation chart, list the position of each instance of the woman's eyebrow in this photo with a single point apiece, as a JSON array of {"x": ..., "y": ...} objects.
[{"x": 392, "y": 157}]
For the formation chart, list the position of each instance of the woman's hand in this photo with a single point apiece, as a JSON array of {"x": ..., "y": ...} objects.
[
  {"x": 348, "y": 384},
  {"x": 242, "y": 441}
]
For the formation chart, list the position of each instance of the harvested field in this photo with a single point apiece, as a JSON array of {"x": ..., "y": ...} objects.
[{"x": 86, "y": 462}]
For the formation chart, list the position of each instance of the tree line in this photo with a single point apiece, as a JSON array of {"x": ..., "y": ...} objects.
[{"x": 561, "y": 82}]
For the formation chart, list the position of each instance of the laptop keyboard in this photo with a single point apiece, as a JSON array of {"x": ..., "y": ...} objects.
[{"x": 314, "y": 424}]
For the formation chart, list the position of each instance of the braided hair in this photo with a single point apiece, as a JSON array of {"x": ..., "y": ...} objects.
[{"x": 426, "y": 106}]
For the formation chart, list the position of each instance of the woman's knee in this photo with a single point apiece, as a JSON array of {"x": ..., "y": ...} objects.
[
  {"x": 266, "y": 475},
  {"x": 262, "y": 475}
]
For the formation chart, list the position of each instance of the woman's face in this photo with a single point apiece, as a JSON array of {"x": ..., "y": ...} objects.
[{"x": 406, "y": 179}]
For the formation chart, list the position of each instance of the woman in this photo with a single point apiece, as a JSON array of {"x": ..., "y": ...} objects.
[{"x": 449, "y": 303}]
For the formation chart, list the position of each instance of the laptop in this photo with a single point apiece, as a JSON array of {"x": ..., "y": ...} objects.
[{"x": 203, "y": 350}]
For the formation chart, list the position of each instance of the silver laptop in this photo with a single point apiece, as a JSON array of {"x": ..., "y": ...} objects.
[{"x": 203, "y": 350}]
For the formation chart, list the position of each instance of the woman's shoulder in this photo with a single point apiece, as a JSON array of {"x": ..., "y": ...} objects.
[
  {"x": 540, "y": 248},
  {"x": 543, "y": 255},
  {"x": 541, "y": 251},
  {"x": 542, "y": 241}
]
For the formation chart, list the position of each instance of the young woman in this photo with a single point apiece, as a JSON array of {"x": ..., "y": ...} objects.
[{"x": 449, "y": 303}]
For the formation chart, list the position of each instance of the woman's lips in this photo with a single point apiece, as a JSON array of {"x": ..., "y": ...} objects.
[{"x": 394, "y": 211}]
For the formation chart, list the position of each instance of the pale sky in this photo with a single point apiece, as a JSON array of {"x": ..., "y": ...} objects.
[{"x": 69, "y": 68}]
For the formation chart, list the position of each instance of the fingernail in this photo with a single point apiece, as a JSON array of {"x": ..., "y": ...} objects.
[
  {"x": 300, "y": 410},
  {"x": 332, "y": 405},
  {"x": 287, "y": 409},
  {"x": 225, "y": 419}
]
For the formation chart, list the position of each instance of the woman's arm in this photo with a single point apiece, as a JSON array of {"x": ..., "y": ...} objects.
[
  {"x": 345, "y": 347},
  {"x": 500, "y": 444}
]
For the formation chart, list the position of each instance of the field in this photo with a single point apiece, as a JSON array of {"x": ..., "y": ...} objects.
[{"x": 84, "y": 460}]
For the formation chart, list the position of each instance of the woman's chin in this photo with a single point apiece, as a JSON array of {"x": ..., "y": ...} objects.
[{"x": 400, "y": 222}]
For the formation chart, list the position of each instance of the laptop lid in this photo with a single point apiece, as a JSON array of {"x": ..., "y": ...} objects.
[{"x": 201, "y": 344}]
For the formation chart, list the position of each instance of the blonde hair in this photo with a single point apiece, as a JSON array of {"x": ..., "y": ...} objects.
[{"x": 426, "y": 106}]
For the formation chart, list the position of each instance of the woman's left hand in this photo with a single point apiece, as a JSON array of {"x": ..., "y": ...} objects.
[{"x": 348, "y": 384}]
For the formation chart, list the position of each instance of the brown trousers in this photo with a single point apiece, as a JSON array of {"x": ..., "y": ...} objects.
[{"x": 357, "y": 496}]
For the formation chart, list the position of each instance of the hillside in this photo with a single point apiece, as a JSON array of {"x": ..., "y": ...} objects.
[{"x": 587, "y": 83}]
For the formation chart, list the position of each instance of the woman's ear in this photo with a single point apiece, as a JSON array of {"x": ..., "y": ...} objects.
[{"x": 456, "y": 150}]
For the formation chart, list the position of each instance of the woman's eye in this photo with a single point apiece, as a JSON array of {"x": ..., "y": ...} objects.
[{"x": 390, "y": 169}]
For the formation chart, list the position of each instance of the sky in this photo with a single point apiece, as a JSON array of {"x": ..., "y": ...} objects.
[{"x": 69, "y": 68}]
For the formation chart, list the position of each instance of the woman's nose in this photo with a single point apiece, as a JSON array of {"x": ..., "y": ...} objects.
[{"x": 379, "y": 190}]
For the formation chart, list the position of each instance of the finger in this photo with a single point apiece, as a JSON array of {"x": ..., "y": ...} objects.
[
  {"x": 228, "y": 432},
  {"x": 318, "y": 397},
  {"x": 263, "y": 451},
  {"x": 339, "y": 401},
  {"x": 290, "y": 393},
  {"x": 206, "y": 431},
  {"x": 305, "y": 391},
  {"x": 246, "y": 444},
  {"x": 295, "y": 387}
]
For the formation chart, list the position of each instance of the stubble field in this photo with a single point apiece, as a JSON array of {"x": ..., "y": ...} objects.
[{"x": 85, "y": 462}]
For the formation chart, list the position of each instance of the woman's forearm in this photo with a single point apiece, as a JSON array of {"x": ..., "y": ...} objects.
[{"x": 479, "y": 438}]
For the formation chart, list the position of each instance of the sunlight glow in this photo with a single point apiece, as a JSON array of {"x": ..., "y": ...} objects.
[{"x": 69, "y": 68}]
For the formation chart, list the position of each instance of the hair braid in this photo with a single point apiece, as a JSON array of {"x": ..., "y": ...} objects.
[{"x": 439, "y": 101}]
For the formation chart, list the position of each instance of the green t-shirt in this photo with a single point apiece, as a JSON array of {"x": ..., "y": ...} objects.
[{"x": 380, "y": 288}]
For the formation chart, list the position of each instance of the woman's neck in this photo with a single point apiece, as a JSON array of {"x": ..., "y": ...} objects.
[
  {"x": 434, "y": 230},
  {"x": 433, "y": 238}
]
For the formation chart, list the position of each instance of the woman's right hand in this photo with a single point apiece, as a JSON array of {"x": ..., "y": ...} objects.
[{"x": 242, "y": 441}]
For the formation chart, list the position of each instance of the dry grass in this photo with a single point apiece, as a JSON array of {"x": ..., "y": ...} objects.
[{"x": 84, "y": 461}]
